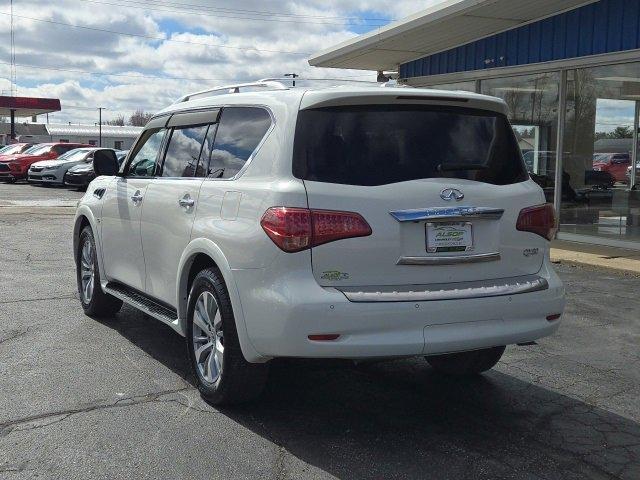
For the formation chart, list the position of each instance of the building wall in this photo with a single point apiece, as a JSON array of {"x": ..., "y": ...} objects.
[
  {"x": 107, "y": 142},
  {"x": 606, "y": 26}
]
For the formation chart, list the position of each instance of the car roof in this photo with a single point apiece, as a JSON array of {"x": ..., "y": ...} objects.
[{"x": 302, "y": 97}]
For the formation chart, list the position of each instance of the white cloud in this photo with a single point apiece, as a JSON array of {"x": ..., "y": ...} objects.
[{"x": 128, "y": 63}]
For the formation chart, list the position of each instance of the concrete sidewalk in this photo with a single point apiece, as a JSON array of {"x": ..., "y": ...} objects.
[{"x": 597, "y": 256}]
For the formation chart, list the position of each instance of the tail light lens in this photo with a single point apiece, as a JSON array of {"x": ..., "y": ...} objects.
[
  {"x": 540, "y": 219},
  {"x": 296, "y": 229}
]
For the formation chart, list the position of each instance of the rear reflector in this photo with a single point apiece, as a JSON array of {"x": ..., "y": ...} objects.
[
  {"x": 296, "y": 229},
  {"x": 540, "y": 219},
  {"x": 324, "y": 338},
  {"x": 553, "y": 317}
]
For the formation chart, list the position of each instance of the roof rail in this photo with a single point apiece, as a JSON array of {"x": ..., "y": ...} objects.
[
  {"x": 275, "y": 83},
  {"x": 309, "y": 79},
  {"x": 234, "y": 88}
]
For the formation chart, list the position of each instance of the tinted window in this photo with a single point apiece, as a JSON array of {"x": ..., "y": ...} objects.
[
  {"x": 38, "y": 150},
  {"x": 239, "y": 133},
  {"x": 60, "y": 149},
  {"x": 143, "y": 160},
  {"x": 377, "y": 145},
  {"x": 183, "y": 151}
]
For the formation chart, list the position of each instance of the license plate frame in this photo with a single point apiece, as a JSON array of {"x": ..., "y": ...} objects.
[{"x": 449, "y": 243}]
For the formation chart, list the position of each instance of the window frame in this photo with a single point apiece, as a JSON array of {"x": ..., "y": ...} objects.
[
  {"x": 134, "y": 151},
  {"x": 186, "y": 119},
  {"x": 165, "y": 149},
  {"x": 240, "y": 172}
]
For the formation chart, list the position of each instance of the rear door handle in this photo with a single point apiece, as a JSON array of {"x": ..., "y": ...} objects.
[
  {"x": 137, "y": 197},
  {"x": 186, "y": 201}
]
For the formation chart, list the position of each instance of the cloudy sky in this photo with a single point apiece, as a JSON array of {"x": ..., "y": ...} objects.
[{"x": 77, "y": 50}]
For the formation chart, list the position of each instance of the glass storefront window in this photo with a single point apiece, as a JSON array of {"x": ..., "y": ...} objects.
[
  {"x": 533, "y": 111},
  {"x": 464, "y": 86},
  {"x": 597, "y": 198}
]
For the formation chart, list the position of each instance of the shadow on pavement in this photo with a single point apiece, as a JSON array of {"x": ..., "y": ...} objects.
[{"x": 400, "y": 419}]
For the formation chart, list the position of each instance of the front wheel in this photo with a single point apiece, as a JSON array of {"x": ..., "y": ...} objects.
[
  {"x": 95, "y": 302},
  {"x": 222, "y": 373},
  {"x": 466, "y": 363}
]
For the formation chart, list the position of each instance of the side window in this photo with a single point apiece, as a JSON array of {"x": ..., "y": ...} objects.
[
  {"x": 143, "y": 160},
  {"x": 59, "y": 149},
  {"x": 240, "y": 131},
  {"x": 183, "y": 152}
]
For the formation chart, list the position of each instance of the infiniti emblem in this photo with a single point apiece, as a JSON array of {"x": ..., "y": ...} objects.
[{"x": 449, "y": 194}]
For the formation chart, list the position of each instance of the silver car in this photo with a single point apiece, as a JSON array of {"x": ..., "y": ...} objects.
[{"x": 53, "y": 171}]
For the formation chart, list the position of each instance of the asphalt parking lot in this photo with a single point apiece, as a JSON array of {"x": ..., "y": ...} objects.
[{"x": 114, "y": 399}]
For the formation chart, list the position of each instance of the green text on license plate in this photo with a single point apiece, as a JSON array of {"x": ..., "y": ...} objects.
[{"x": 449, "y": 237}]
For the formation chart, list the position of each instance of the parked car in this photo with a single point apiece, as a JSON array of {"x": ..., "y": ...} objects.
[
  {"x": 14, "y": 149},
  {"x": 628, "y": 175},
  {"x": 16, "y": 167},
  {"x": 614, "y": 163},
  {"x": 82, "y": 174},
  {"x": 52, "y": 172},
  {"x": 353, "y": 222}
]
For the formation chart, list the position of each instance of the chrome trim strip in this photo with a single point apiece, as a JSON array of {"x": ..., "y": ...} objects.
[
  {"x": 447, "y": 214},
  {"x": 450, "y": 260},
  {"x": 448, "y": 291}
]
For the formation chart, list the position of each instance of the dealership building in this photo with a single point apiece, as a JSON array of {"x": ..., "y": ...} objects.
[{"x": 569, "y": 72}]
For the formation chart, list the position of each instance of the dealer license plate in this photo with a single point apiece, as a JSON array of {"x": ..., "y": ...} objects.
[{"x": 449, "y": 237}]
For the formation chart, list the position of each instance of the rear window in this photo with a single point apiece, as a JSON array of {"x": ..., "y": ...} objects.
[{"x": 382, "y": 144}]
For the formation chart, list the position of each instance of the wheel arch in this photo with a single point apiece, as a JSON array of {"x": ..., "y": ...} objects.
[
  {"x": 84, "y": 218},
  {"x": 203, "y": 253}
]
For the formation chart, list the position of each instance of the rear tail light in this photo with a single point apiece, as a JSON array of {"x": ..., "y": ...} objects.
[
  {"x": 296, "y": 229},
  {"x": 540, "y": 219}
]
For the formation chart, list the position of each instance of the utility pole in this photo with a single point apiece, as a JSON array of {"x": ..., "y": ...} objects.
[
  {"x": 292, "y": 75},
  {"x": 100, "y": 126}
]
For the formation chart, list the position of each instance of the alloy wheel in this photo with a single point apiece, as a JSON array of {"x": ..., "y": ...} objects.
[
  {"x": 208, "y": 338},
  {"x": 87, "y": 271}
]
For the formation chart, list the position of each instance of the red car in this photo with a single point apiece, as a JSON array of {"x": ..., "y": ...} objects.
[
  {"x": 614, "y": 163},
  {"x": 15, "y": 167},
  {"x": 14, "y": 149}
]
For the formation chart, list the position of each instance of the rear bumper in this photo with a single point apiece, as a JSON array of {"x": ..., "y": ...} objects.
[{"x": 281, "y": 312}]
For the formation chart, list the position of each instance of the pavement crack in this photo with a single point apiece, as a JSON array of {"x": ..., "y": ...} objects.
[
  {"x": 14, "y": 334},
  {"x": 34, "y": 422},
  {"x": 57, "y": 297}
]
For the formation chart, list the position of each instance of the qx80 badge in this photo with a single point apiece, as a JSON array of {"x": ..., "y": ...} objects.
[{"x": 449, "y": 194}]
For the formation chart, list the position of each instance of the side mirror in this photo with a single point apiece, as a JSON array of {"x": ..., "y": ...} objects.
[{"x": 105, "y": 162}]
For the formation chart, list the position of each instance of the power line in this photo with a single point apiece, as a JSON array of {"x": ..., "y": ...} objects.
[
  {"x": 106, "y": 74},
  {"x": 199, "y": 8},
  {"x": 139, "y": 35},
  {"x": 229, "y": 15}
]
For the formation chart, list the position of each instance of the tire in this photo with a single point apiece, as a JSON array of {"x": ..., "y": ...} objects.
[
  {"x": 466, "y": 363},
  {"x": 95, "y": 302},
  {"x": 222, "y": 374}
]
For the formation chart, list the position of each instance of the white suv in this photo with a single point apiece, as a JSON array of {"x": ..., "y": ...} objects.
[{"x": 337, "y": 222}]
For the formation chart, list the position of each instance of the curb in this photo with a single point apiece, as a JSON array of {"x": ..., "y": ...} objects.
[{"x": 623, "y": 264}]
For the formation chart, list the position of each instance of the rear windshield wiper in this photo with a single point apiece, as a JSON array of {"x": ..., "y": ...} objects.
[{"x": 460, "y": 167}]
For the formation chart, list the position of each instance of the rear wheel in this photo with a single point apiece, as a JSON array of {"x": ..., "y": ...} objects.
[
  {"x": 95, "y": 302},
  {"x": 466, "y": 363},
  {"x": 222, "y": 373}
]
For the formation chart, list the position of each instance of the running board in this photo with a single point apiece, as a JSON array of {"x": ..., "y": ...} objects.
[{"x": 144, "y": 303}]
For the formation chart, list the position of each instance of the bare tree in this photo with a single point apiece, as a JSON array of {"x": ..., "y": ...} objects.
[
  {"x": 118, "y": 121},
  {"x": 139, "y": 118}
]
